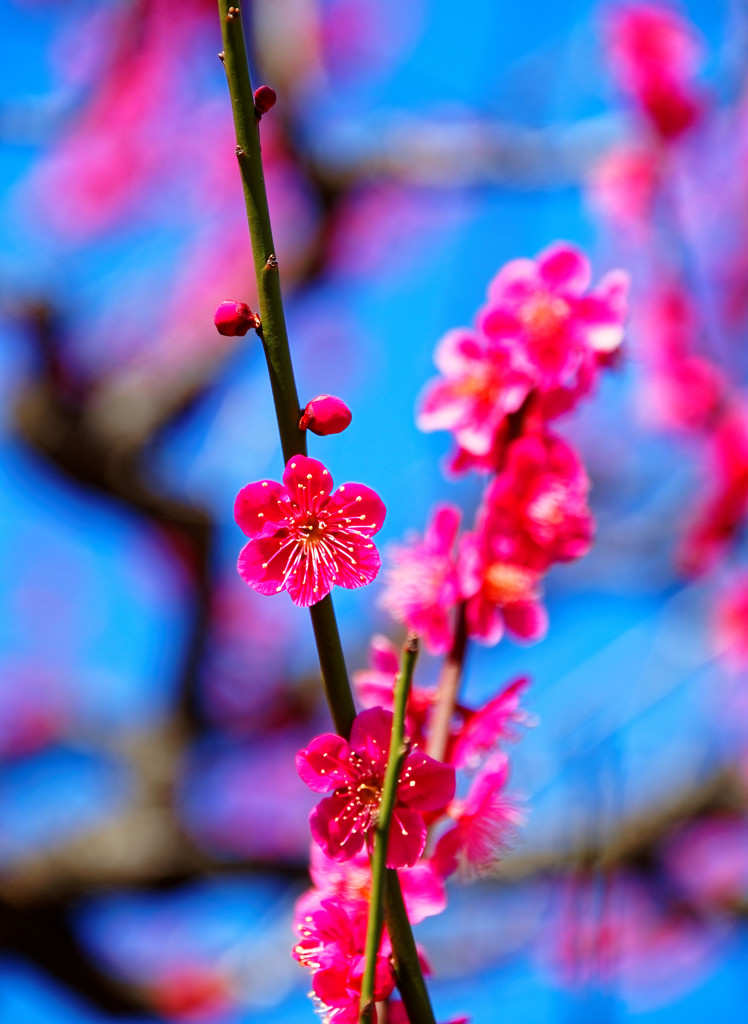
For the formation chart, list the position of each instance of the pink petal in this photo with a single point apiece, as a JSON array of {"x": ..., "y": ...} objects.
[
  {"x": 361, "y": 505},
  {"x": 333, "y": 826},
  {"x": 260, "y": 508},
  {"x": 261, "y": 563},
  {"x": 407, "y": 838},
  {"x": 305, "y": 588},
  {"x": 526, "y": 619},
  {"x": 442, "y": 529},
  {"x": 564, "y": 268},
  {"x": 484, "y": 620},
  {"x": 445, "y": 853},
  {"x": 304, "y": 476},
  {"x": 384, "y": 655},
  {"x": 442, "y": 407},
  {"x": 423, "y": 892},
  {"x": 498, "y": 323},
  {"x": 323, "y": 765},
  {"x": 425, "y": 784},
  {"x": 516, "y": 282},
  {"x": 370, "y": 733},
  {"x": 457, "y": 352},
  {"x": 470, "y": 565}
]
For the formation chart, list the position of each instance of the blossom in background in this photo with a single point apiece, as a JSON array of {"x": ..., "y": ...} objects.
[
  {"x": 540, "y": 309},
  {"x": 342, "y": 823},
  {"x": 730, "y": 627},
  {"x": 481, "y": 384},
  {"x": 303, "y": 537},
  {"x": 500, "y": 590},
  {"x": 541, "y": 497},
  {"x": 422, "y": 585},
  {"x": 482, "y": 730},
  {"x": 484, "y": 821},
  {"x": 654, "y": 54}
]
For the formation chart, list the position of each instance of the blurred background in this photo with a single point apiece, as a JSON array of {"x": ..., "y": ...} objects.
[{"x": 153, "y": 832}]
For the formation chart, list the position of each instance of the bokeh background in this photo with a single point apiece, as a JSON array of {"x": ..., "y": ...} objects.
[{"x": 153, "y": 833}]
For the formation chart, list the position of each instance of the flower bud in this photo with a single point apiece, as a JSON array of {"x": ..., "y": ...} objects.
[
  {"x": 234, "y": 318},
  {"x": 264, "y": 99},
  {"x": 325, "y": 414}
]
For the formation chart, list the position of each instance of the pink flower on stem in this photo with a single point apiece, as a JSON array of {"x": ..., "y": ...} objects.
[
  {"x": 540, "y": 308},
  {"x": 542, "y": 497},
  {"x": 494, "y": 723},
  {"x": 332, "y": 941},
  {"x": 501, "y": 590},
  {"x": 481, "y": 385},
  {"x": 484, "y": 822},
  {"x": 422, "y": 586},
  {"x": 304, "y": 538},
  {"x": 342, "y": 823}
]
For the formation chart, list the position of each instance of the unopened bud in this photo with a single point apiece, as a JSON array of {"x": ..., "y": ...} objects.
[
  {"x": 325, "y": 414},
  {"x": 234, "y": 318},
  {"x": 264, "y": 99}
]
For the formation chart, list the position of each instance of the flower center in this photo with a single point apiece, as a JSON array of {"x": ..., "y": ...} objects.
[
  {"x": 506, "y": 584},
  {"x": 544, "y": 317}
]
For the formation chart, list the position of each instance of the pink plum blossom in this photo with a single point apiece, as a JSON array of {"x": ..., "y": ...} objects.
[
  {"x": 541, "y": 497},
  {"x": 501, "y": 590},
  {"x": 654, "y": 53},
  {"x": 484, "y": 822},
  {"x": 709, "y": 859},
  {"x": 558, "y": 334},
  {"x": 495, "y": 722},
  {"x": 481, "y": 384},
  {"x": 730, "y": 628},
  {"x": 332, "y": 941},
  {"x": 303, "y": 537},
  {"x": 342, "y": 823},
  {"x": 422, "y": 585}
]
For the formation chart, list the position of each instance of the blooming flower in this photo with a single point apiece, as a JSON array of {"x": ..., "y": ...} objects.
[
  {"x": 501, "y": 589},
  {"x": 332, "y": 941},
  {"x": 481, "y": 384},
  {"x": 303, "y": 537},
  {"x": 485, "y": 728},
  {"x": 422, "y": 585},
  {"x": 541, "y": 497},
  {"x": 560, "y": 332},
  {"x": 355, "y": 770},
  {"x": 484, "y": 821}
]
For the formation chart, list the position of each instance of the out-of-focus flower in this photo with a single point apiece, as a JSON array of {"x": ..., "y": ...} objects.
[
  {"x": 501, "y": 591},
  {"x": 654, "y": 53},
  {"x": 540, "y": 306},
  {"x": 483, "y": 730},
  {"x": 375, "y": 688},
  {"x": 623, "y": 184},
  {"x": 342, "y": 823},
  {"x": 481, "y": 384},
  {"x": 422, "y": 585},
  {"x": 709, "y": 859},
  {"x": 730, "y": 628},
  {"x": 541, "y": 498},
  {"x": 484, "y": 820},
  {"x": 305, "y": 539}
]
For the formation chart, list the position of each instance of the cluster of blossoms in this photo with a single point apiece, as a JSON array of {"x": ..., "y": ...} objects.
[
  {"x": 537, "y": 349},
  {"x": 433, "y": 834}
]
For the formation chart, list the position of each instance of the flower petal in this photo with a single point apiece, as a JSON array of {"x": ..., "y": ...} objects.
[
  {"x": 425, "y": 784},
  {"x": 333, "y": 826},
  {"x": 407, "y": 838},
  {"x": 323, "y": 765},
  {"x": 564, "y": 268},
  {"x": 261, "y": 507},
  {"x": 526, "y": 619},
  {"x": 370, "y": 734},
  {"x": 306, "y": 480},
  {"x": 261, "y": 563}
]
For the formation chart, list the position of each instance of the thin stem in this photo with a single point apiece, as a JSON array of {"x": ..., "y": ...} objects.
[
  {"x": 448, "y": 689},
  {"x": 293, "y": 442},
  {"x": 382, "y": 834}
]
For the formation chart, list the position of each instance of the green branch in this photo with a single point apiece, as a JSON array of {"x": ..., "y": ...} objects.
[{"x": 293, "y": 442}]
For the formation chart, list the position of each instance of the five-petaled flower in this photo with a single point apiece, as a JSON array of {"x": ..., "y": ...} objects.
[
  {"x": 304, "y": 538},
  {"x": 355, "y": 770}
]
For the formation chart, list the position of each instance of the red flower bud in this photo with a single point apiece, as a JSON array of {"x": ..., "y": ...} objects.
[
  {"x": 325, "y": 414},
  {"x": 264, "y": 99},
  {"x": 234, "y": 318}
]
